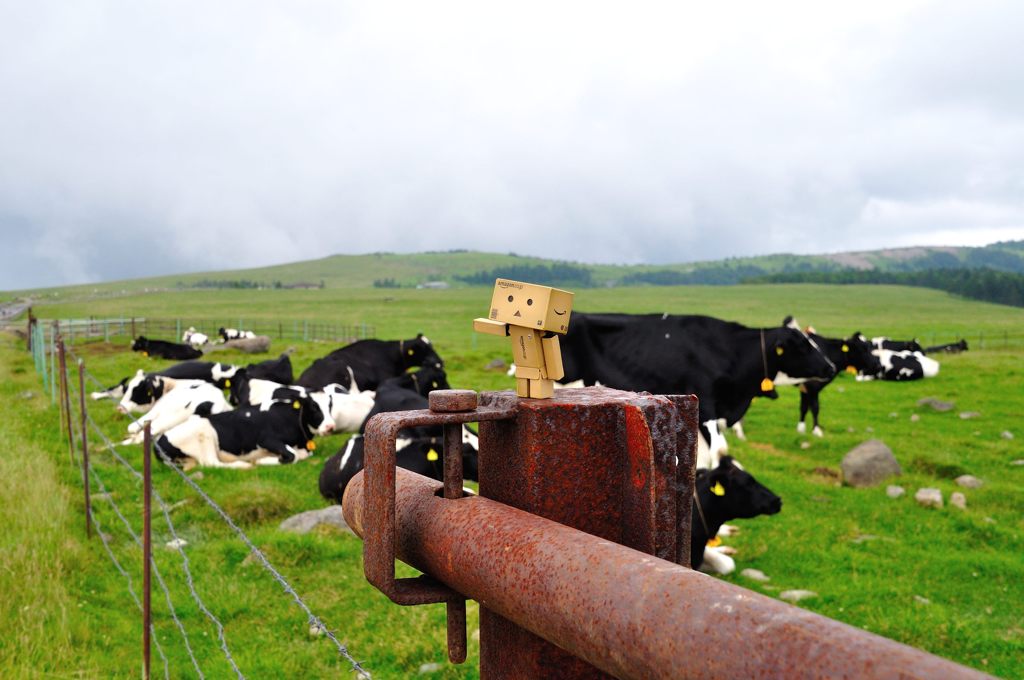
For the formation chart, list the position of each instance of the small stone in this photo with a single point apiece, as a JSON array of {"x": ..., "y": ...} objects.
[
  {"x": 28, "y": 395},
  {"x": 914, "y": 417},
  {"x": 936, "y": 404},
  {"x": 430, "y": 668},
  {"x": 969, "y": 482},
  {"x": 176, "y": 543},
  {"x": 869, "y": 429},
  {"x": 197, "y": 476},
  {"x": 796, "y": 595},
  {"x": 304, "y": 522},
  {"x": 869, "y": 463},
  {"x": 805, "y": 445},
  {"x": 893, "y": 491},
  {"x": 850, "y": 430},
  {"x": 929, "y": 497},
  {"x": 1006, "y": 434},
  {"x": 958, "y": 500},
  {"x": 317, "y": 629},
  {"x": 967, "y": 415},
  {"x": 893, "y": 414},
  {"x": 988, "y": 520},
  {"x": 754, "y": 575},
  {"x": 864, "y": 538},
  {"x": 496, "y": 365},
  {"x": 922, "y": 600},
  {"x": 1019, "y": 461}
]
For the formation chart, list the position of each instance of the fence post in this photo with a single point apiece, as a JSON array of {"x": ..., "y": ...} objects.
[
  {"x": 981, "y": 341},
  {"x": 133, "y": 328},
  {"x": 280, "y": 331},
  {"x": 85, "y": 448},
  {"x": 65, "y": 389},
  {"x": 305, "y": 331},
  {"x": 147, "y": 545},
  {"x": 53, "y": 362},
  {"x": 177, "y": 329}
]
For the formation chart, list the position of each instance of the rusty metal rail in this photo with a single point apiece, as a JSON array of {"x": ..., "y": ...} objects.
[{"x": 628, "y": 613}]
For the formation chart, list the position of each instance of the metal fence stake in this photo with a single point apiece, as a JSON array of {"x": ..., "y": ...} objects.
[
  {"x": 85, "y": 448},
  {"x": 147, "y": 545}
]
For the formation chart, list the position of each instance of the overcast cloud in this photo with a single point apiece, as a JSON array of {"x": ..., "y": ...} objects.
[{"x": 141, "y": 138}]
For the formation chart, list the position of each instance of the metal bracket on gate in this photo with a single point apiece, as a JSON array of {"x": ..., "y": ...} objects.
[{"x": 452, "y": 409}]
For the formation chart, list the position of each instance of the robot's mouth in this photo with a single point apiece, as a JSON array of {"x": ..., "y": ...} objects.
[{"x": 559, "y": 313}]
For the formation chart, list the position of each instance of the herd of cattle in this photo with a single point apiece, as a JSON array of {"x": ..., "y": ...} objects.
[{"x": 214, "y": 414}]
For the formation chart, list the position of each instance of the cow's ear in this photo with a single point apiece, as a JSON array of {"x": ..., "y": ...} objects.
[{"x": 140, "y": 372}]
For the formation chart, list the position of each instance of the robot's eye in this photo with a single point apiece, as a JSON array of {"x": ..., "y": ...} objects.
[
  {"x": 529, "y": 301},
  {"x": 510, "y": 298}
]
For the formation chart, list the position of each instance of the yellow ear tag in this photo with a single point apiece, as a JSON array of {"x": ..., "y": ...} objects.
[
  {"x": 432, "y": 455},
  {"x": 767, "y": 385},
  {"x": 410, "y": 352},
  {"x": 714, "y": 542},
  {"x": 718, "y": 489},
  {"x": 145, "y": 354},
  {"x": 851, "y": 370},
  {"x": 311, "y": 445},
  {"x": 846, "y": 348},
  {"x": 296, "y": 406},
  {"x": 227, "y": 383},
  {"x": 778, "y": 350}
]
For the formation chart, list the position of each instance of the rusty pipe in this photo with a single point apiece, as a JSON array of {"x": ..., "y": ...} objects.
[{"x": 628, "y": 613}]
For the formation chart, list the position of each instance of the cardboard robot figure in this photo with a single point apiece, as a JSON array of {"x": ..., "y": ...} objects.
[{"x": 533, "y": 317}]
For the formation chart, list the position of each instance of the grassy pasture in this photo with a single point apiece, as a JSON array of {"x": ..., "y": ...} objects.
[{"x": 870, "y": 559}]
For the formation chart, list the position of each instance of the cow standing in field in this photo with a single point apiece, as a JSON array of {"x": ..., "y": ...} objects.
[
  {"x": 851, "y": 353},
  {"x": 371, "y": 362},
  {"x": 164, "y": 349},
  {"x": 724, "y": 363}
]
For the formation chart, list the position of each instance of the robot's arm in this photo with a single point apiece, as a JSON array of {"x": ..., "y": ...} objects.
[
  {"x": 490, "y": 327},
  {"x": 553, "y": 357}
]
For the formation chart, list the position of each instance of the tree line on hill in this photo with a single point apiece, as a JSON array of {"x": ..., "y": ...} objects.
[{"x": 989, "y": 285}]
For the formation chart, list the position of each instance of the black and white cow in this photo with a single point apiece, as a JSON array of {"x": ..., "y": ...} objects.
[
  {"x": 883, "y": 342},
  {"x": 141, "y": 391},
  {"x": 180, "y": 399},
  {"x": 348, "y": 409},
  {"x": 852, "y": 353},
  {"x": 270, "y": 434},
  {"x": 423, "y": 455},
  {"x": 233, "y": 334},
  {"x": 164, "y": 349},
  {"x": 724, "y": 363},
  {"x": 905, "y": 365},
  {"x": 275, "y": 370},
  {"x": 371, "y": 361},
  {"x": 951, "y": 348},
  {"x": 721, "y": 494},
  {"x": 194, "y": 338}
]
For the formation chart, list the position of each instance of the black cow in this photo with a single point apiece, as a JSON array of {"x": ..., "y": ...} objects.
[
  {"x": 164, "y": 349},
  {"x": 883, "y": 342},
  {"x": 724, "y": 363},
  {"x": 423, "y": 381},
  {"x": 722, "y": 494},
  {"x": 951, "y": 348},
  {"x": 276, "y": 370},
  {"x": 274, "y": 433},
  {"x": 371, "y": 361},
  {"x": 423, "y": 455},
  {"x": 854, "y": 352}
]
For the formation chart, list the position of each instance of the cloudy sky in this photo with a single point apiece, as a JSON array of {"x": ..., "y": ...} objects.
[{"x": 143, "y": 138}]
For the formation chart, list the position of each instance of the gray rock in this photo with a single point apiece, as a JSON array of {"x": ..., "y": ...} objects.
[
  {"x": 805, "y": 445},
  {"x": 1019, "y": 461},
  {"x": 869, "y": 429},
  {"x": 317, "y": 629},
  {"x": 958, "y": 500},
  {"x": 176, "y": 543},
  {"x": 197, "y": 475},
  {"x": 430, "y": 668},
  {"x": 304, "y": 522},
  {"x": 869, "y": 463},
  {"x": 967, "y": 415},
  {"x": 914, "y": 417},
  {"x": 921, "y": 600},
  {"x": 754, "y": 575},
  {"x": 936, "y": 404},
  {"x": 796, "y": 595},
  {"x": 28, "y": 395},
  {"x": 893, "y": 414},
  {"x": 929, "y": 497},
  {"x": 893, "y": 491},
  {"x": 969, "y": 482},
  {"x": 1006, "y": 434},
  {"x": 497, "y": 365}
]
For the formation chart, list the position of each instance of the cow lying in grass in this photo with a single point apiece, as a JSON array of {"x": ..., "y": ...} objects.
[
  {"x": 164, "y": 349},
  {"x": 271, "y": 434},
  {"x": 725, "y": 493},
  {"x": 179, "y": 400},
  {"x": 142, "y": 390}
]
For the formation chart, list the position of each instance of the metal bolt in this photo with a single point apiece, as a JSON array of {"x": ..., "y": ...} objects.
[{"x": 453, "y": 401}]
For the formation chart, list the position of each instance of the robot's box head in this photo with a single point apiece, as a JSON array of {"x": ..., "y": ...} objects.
[{"x": 531, "y": 306}]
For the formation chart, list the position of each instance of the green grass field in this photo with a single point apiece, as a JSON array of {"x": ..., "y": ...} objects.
[{"x": 872, "y": 560}]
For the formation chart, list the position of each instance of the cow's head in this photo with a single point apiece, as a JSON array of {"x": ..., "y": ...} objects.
[
  {"x": 419, "y": 352},
  {"x": 141, "y": 392},
  {"x": 315, "y": 419},
  {"x": 857, "y": 350},
  {"x": 140, "y": 344},
  {"x": 429, "y": 378},
  {"x": 735, "y": 493},
  {"x": 797, "y": 355}
]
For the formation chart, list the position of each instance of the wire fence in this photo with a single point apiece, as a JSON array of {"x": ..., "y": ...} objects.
[
  {"x": 77, "y": 330},
  {"x": 50, "y": 356}
]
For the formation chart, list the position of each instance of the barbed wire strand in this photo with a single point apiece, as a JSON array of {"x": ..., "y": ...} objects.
[
  {"x": 313, "y": 620},
  {"x": 221, "y": 636},
  {"x": 156, "y": 569},
  {"x": 131, "y": 591}
]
